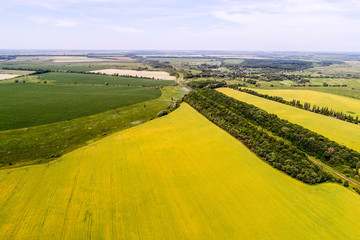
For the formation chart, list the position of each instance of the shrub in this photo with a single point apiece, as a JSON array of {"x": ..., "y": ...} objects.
[{"x": 162, "y": 113}]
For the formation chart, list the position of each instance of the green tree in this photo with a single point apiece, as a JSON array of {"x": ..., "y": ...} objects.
[{"x": 357, "y": 165}]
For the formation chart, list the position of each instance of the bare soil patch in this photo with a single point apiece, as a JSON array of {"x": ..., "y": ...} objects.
[
  {"x": 7, "y": 76},
  {"x": 134, "y": 73}
]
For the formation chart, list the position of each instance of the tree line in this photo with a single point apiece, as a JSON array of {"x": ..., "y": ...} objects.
[
  {"x": 345, "y": 160},
  {"x": 294, "y": 65},
  {"x": 306, "y": 106},
  {"x": 206, "y": 84},
  {"x": 227, "y": 114}
]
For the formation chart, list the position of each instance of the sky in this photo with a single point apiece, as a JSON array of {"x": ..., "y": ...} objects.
[{"x": 276, "y": 25}]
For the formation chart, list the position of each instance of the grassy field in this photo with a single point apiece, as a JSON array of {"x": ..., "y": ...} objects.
[
  {"x": 233, "y": 61},
  {"x": 42, "y": 143},
  {"x": 317, "y": 82},
  {"x": 71, "y": 78},
  {"x": 339, "y": 131},
  {"x": 348, "y": 67},
  {"x": 25, "y": 105},
  {"x": 78, "y": 67},
  {"x": 177, "y": 177},
  {"x": 335, "y": 81},
  {"x": 338, "y": 103},
  {"x": 342, "y": 91}
]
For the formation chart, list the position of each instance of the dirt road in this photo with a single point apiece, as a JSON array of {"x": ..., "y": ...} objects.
[
  {"x": 333, "y": 171},
  {"x": 180, "y": 80}
]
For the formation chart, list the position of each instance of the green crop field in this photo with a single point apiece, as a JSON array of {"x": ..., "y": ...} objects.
[
  {"x": 338, "y": 103},
  {"x": 78, "y": 78},
  {"x": 68, "y": 95},
  {"x": 177, "y": 177},
  {"x": 233, "y": 61},
  {"x": 339, "y": 131},
  {"x": 25, "y": 105}
]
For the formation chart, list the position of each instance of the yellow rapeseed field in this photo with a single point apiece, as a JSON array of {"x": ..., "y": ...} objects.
[
  {"x": 177, "y": 177},
  {"x": 346, "y": 105},
  {"x": 339, "y": 131}
]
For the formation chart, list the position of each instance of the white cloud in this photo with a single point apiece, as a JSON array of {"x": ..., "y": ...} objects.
[
  {"x": 287, "y": 16},
  {"x": 120, "y": 28},
  {"x": 39, "y": 20},
  {"x": 243, "y": 12},
  {"x": 317, "y": 25},
  {"x": 91, "y": 19},
  {"x": 65, "y": 23},
  {"x": 54, "y": 22},
  {"x": 59, "y": 4}
]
